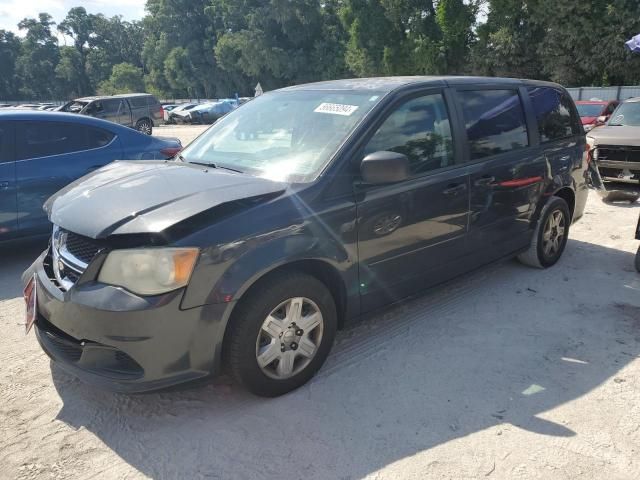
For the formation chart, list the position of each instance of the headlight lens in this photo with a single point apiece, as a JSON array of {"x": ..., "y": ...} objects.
[{"x": 149, "y": 271}]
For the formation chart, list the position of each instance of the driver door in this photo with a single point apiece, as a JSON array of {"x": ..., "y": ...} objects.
[{"x": 411, "y": 234}]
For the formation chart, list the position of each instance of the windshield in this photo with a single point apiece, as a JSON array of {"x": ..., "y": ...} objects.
[
  {"x": 626, "y": 114},
  {"x": 284, "y": 135},
  {"x": 589, "y": 110}
]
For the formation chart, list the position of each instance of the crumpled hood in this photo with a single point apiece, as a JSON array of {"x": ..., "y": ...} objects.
[
  {"x": 127, "y": 197},
  {"x": 622, "y": 135}
]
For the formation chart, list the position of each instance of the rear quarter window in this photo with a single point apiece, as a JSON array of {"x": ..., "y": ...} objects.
[
  {"x": 555, "y": 114},
  {"x": 139, "y": 102}
]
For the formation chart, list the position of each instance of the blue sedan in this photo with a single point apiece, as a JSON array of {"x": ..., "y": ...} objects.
[{"x": 41, "y": 152}]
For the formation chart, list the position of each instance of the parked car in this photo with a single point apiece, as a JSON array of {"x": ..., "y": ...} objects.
[
  {"x": 167, "y": 110},
  {"x": 208, "y": 112},
  {"x": 175, "y": 116},
  {"x": 257, "y": 243},
  {"x": 41, "y": 152},
  {"x": 594, "y": 113},
  {"x": 136, "y": 110},
  {"x": 615, "y": 147}
]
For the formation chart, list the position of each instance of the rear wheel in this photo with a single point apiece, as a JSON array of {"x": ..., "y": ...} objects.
[
  {"x": 281, "y": 334},
  {"x": 145, "y": 126},
  {"x": 550, "y": 236}
]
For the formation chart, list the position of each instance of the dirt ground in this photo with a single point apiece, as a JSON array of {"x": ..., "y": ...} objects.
[
  {"x": 186, "y": 133},
  {"x": 508, "y": 373}
]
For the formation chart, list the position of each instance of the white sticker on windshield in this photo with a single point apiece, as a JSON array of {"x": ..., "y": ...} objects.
[{"x": 336, "y": 109}]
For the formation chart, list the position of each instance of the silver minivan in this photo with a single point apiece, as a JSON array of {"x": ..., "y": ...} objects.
[{"x": 141, "y": 111}]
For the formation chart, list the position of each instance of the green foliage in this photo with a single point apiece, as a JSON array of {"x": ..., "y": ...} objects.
[
  {"x": 125, "y": 78},
  {"x": 215, "y": 48},
  {"x": 9, "y": 52}
]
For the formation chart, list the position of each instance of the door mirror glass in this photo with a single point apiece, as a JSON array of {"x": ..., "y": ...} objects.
[{"x": 384, "y": 167}]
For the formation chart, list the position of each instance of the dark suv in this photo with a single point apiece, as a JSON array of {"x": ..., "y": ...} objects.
[
  {"x": 302, "y": 210},
  {"x": 137, "y": 110}
]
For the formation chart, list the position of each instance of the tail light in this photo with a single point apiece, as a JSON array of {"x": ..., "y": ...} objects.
[
  {"x": 161, "y": 111},
  {"x": 170, "y": 152}
]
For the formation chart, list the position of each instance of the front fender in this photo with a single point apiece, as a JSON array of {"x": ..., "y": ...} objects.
[{"x": 226, "y": 272}]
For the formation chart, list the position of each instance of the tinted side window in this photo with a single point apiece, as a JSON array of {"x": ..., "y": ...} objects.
[
  {"x": 152, "y": 101},
  {"x": 111, "y": 106},
  {"x": 555, "y": 114},
  {"x": 43, "y": 139},
  {"x": 419, "y": 129},
  {"x": 95, "y": 107},
  {"x": 494, "y": 120}
]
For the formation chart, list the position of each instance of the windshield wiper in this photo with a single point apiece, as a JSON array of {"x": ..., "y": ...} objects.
[{"x": 209, "y": 164}]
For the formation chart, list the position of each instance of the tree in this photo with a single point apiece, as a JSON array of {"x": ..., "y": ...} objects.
[
  {"x": 70, "y": 81},
  {"x": 113, "y": 41},
  {"x": 38, "y": 58},
  {"x": 79, "y": 26},
  {"x": 125, "y": 78},
  {"x": 508, "y": 43},
  {"x": 9, "y": 52},
  {"x": 456, "y": 20}
]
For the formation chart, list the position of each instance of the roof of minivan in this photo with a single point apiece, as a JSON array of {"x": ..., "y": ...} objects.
[
  {"x": 102, "y": 97},
  {"x": 387, "y": 84}
]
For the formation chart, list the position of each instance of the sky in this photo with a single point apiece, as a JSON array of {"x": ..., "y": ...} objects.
[{"x": 12, "y": 11}]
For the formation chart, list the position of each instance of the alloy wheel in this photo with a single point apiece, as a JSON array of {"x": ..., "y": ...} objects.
[{"x": 554, "y": 232}]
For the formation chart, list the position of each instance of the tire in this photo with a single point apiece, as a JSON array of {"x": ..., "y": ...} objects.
[
  {"x": 144, "y": 125},
  {"x": 638, "y": 260},
  {"x": 259, "y": 323},
  {"x": 539, "y": 255}
]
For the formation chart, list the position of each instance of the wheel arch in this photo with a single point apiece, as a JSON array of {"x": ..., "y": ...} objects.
[
  {"x": 319, "y": 269},
  {"x": 569, "y": 196},
  {"x": 565, "y": 192}
]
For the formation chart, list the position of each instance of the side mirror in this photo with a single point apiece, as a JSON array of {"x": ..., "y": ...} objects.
[
  {"x": 602, "y": 119},
  {"x": 379, "y": 168}
]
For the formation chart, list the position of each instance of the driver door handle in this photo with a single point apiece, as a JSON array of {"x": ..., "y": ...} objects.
[
  {"x": 484, "y": 181},
  {"x": 454, "y": 189},
  {"x": 4, "y": 185}
]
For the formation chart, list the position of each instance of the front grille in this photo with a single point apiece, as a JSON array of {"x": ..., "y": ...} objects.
[
  {"x": 615, "y": 153},
  {"x": 82, "y": 248}
]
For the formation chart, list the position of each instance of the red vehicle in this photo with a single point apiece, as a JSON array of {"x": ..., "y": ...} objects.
[{"x": 594, "y": 113}]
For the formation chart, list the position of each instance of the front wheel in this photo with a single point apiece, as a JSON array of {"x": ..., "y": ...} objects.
[
  {"x": 550, "y": 236},
  {"x": 281, "y": 334},
  {"x": 144, "y": 126}
]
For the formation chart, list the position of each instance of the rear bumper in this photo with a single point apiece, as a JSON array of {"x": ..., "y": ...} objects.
[{"x": 116, "y": 340}]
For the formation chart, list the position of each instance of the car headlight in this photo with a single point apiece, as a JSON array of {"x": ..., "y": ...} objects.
[{"x": 149, "y": 271}]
